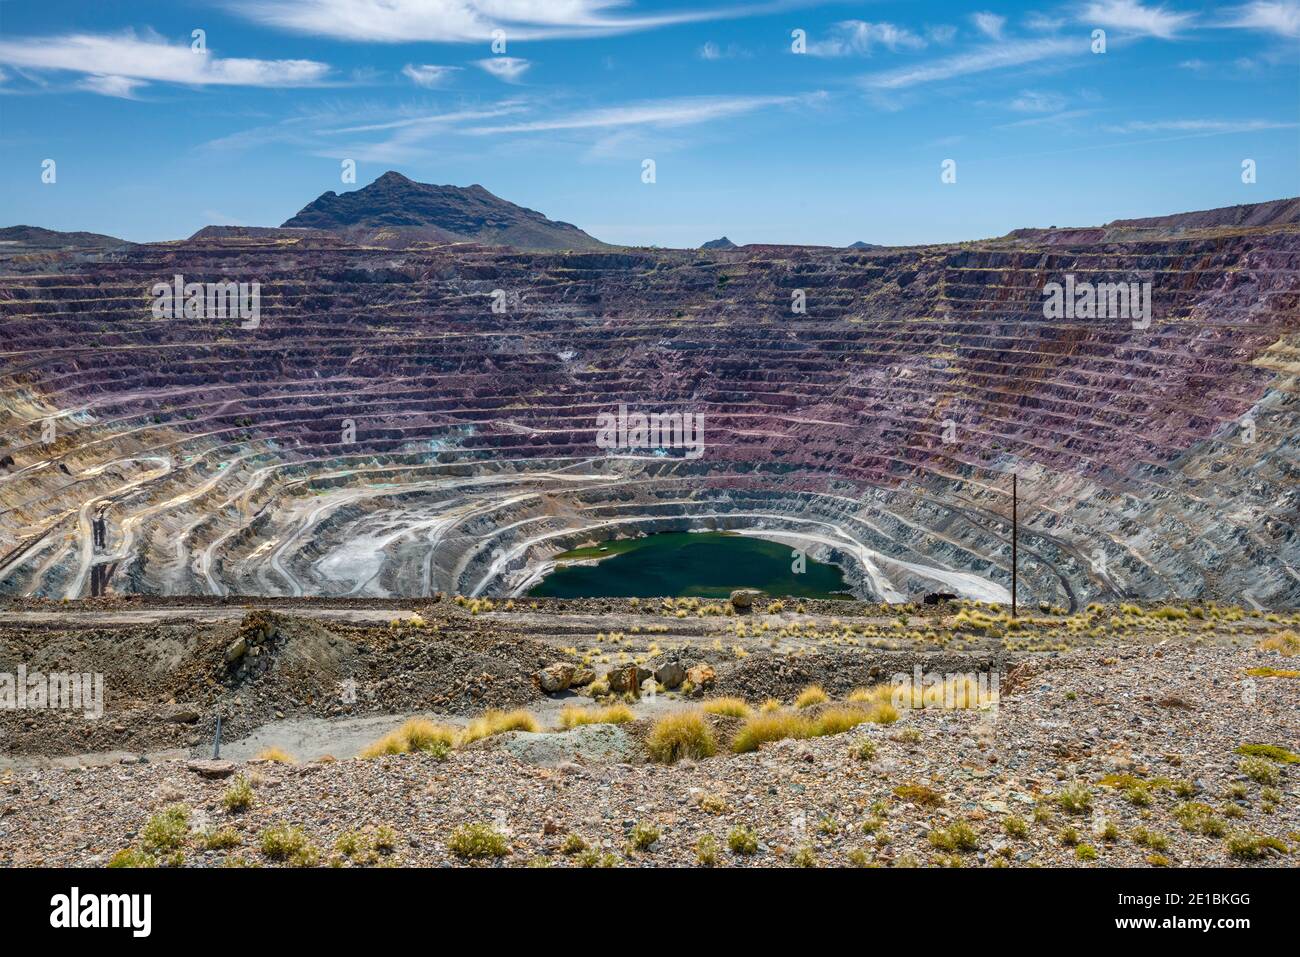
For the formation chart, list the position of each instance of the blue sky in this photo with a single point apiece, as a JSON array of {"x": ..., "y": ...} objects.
[{"x": 844, "y": 141}]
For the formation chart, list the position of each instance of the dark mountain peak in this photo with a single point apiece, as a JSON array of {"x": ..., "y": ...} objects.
[
  {"x": 396, "y": 206},
  {"x": 722, "y": 243},
  {"x": 37, "y": 237}
]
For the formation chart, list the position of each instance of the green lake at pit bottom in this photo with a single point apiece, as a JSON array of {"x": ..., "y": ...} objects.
[{"x": 688, "y": 564}]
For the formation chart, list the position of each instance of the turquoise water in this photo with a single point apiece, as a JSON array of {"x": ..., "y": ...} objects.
[{"x": 682, "y": 564}]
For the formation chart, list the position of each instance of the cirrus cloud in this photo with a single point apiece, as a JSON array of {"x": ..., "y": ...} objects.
[
  {"x": 506, "y": 68},
  {"x": 1132, "y": 17},
  {"x": 119, "y": 64},
  {"x": 428, "y": 75}
]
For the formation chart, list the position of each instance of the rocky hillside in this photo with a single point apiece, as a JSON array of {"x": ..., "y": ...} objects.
[
  {"x": 394, "y": 207},
  {"x": 403, "y": 421}
]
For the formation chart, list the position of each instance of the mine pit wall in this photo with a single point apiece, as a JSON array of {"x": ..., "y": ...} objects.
[{"x": 217, "y": 452}]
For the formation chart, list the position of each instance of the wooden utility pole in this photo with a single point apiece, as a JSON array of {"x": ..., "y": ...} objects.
[{"x": 1015, "y": 536}]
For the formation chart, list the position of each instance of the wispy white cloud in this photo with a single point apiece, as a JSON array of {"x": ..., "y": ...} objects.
[
  {"x": 989, "y": 24},
  {"x": 118, "y": 64},
  {"x": 1273, "y": 16},
  {"x": 507, "y": 68},
  {"x": 1000, "y": 56},
  {"x": 472, "y": 21},
  {"x": 428, "y": 75},
  {"x": 682, "y": 111},
  {"x": 1062, "y": 118},
  {"x": 1036, "y": 101},
  {"x": 1199, "y": 126},
  {"x": 711, "y": 50},
  {"x": 1131, "y": 16},
  {"x": 123, "y": 87},
  {"x": 860, "y": 38},
  {"x": 427, "y": 120},
  {"x": 1044, "y": 22}
]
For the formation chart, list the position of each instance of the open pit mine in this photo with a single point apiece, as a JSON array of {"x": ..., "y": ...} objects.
[
  {"x": 413, "y": 410},
  {"x": 275, "y": 506}
]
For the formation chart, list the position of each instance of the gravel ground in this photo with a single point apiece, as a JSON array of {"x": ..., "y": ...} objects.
[{"x": 1177, "y": 714}]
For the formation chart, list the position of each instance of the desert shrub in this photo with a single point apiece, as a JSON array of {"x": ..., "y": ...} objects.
[
  {"x": 1144, "y": 837},
  {"x": 683, "y": 734},
  {"x": 131, "y": 857},
  {"x": 865, "y": 750},
  {"x": 1199, "y": 818},
  {"x": 166, "y": 831},
  {"x": 282, "y": 841},
  {"x": 573, "y": 844},
  {"x": 918, "y": 794},
  {"x": 742, "y": 840},
  {"x": 643, "y": 836},
  {"x": 220, "y": 839},
  {"x": 477, "y": 842},
  {"x": 239, "y": 796},
  {"x": 706, "y": 851},
  {"x": 1085, "y": 852},
  {"x": 713, "y": 803},
  {"x": 804, "y": 857},
  {"x": 385, "y": 839},
  {"x": 1259, "y": 770},
  {"x": 1252, "y": 847},
  {"x": 957, "y": 836},
  {"x": 1074, "y": 798},
  {"x": 1139, "y": 795},
  {"x": 1015, "y": 827}
]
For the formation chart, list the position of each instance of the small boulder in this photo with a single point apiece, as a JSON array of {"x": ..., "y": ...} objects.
[
  {"x": 742, "y": 599},
  {"x": 211, "y": 768},
  {"x": 235, "y": 653},
  {"x": 583, "y": 677},
  {"x": 627, "y": 678},
  {"x": 670, "y": 674},
  {"x": 557, "y": 677},
  {"x": 181, "y": 713},
  {"x": 702, "y": 677}
]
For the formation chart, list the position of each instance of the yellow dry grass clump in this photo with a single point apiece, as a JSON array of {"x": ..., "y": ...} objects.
[
  {"x": 810, "y": 696},
  {"x": 278, "y": 755},
  {"x": 1286, "y": 643},
  {"x": 572, "y": 717},
  {"x": 498, "y": 722},
  {"x": 418, "y": 734},
  {"x": 775, "y": 726},
  {"x": 683, "y": 734},
  {"x": 731, "y": 707}
]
